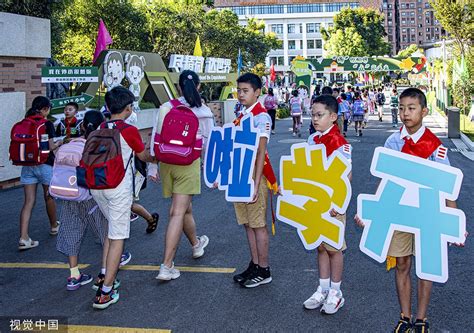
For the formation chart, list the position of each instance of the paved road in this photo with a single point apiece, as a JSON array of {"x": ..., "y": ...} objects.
[{"x": 209, "y": 301}]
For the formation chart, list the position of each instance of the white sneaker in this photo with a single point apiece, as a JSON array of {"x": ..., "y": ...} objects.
[
  {"x": 333, "y": 302},
  {"x": 27, "y": 244},
  {"x": 168, "y": 273},
  {"x": 294, "y": 134},
  {"x": 198, "y": 249},
  {"x": 316, "y": 300}
]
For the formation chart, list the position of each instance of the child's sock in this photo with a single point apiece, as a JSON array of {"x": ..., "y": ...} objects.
[
  {"x": 336, "y": 285},
  {"x": 106, "y": 289},
  {"x": 102, "y": 271},
  {"x": 324, "y": 283},
  {"x": 75, "y": 272}
]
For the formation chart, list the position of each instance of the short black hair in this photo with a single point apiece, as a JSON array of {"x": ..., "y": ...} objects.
[
  {"x": 343, "y": 96},
  {"x": 414, "y": 93},
  {"x": 326, "y": 91},
  {"x": 329, "y": 101},
  {"x": 295, "y": 93},
  {"x": 73, "y": 104},
  {"x": 118, "y": 98},
  {"x": 253, "y": 79},
  {"x": 336, "y": 90}
]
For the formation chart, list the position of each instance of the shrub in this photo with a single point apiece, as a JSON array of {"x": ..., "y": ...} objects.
[{"x": 282, "y": 112}]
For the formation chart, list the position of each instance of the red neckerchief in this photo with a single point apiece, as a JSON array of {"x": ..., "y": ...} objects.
[
  {"x": 68, "y": 123},
  {"x": 331, "y": 140},
  {"x": 424, "y": 147}
]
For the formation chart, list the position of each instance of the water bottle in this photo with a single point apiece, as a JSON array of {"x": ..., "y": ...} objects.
[{"x": 44, "y": 143}]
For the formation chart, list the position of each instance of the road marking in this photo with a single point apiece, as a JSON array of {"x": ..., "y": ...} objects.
[
  {"x": 38, "y": 265},
  {"x": 109, "y": 329},
  {"x": 194, "y": 269},
  {"x": 291, "y": 140}
]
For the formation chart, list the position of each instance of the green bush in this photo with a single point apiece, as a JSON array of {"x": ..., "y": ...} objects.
[{"x": 282, "y": 112}]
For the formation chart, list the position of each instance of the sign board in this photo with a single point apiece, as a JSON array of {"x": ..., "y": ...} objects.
[
  {"x": 181, "y": 62},
  {"x": 69, "y": 74},
  {"x": 368, "y": 64},
  {"x": 81, "y": 99}
]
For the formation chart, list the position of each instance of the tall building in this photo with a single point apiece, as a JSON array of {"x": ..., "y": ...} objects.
[
  {"x": 410, "y": 22},
  {"x": 297, "y": 23}
]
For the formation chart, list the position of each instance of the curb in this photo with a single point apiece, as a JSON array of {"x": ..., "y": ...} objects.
[{"x": 467, "y": 141}]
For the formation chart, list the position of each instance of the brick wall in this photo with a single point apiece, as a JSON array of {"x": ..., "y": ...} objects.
[{"x": 22, "y": 74}]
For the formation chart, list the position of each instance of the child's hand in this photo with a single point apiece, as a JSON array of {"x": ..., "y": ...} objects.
[
  {"x": 461, "y": 244},
  {"x": 255, "y": 196},
  {"x": 279, "y": 191},
  {"x": 215, "y": 185},
  {"x": 333, "y": 213},
  {"x": 358, "y": 221},
  {"x": 155, "y": 179}
]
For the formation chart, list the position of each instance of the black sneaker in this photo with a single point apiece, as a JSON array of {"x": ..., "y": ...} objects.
[
  {"x": 360, "y": 133},
  {"x": 245, "y": 274},
  {"x": 100, "y": 280},
  {"x": 260, "y": 276},
  {"x": 421, "y": 326},
  {"x": 404, "y": 325}
]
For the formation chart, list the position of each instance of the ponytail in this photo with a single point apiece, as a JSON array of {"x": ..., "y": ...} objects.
[
  {"x": 92, "y": 120},
  {"x": 188, "y": 82},
  {"x": 32, "y": 112}
]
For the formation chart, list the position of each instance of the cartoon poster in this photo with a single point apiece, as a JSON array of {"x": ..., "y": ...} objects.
[
  {"x": 230, "y": 159},
  {"x": 312, "y": 185},
  {"x": 412, "y": 198},
  {"x": 135, "y": 72}
]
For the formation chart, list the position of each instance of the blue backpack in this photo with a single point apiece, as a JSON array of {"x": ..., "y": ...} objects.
[{"x": 358, "y": 108}]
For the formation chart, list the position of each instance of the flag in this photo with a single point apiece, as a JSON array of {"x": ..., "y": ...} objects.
[
  {"x": 103, "y": 39},
  {"x": 239, "y": 63},
  {"x": 197, "y": 48},
  {"x": 272, "y": 73}
]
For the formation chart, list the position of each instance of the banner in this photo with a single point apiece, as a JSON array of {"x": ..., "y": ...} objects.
[
  {"x": 230, "y": 157},
  {"x": 312, "y": 185},
  {"x": 412, "y": 198},
  {"x": 367, "y": 64}
]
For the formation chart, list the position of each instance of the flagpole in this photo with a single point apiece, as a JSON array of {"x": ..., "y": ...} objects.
[{"x": 239, "y": 62}]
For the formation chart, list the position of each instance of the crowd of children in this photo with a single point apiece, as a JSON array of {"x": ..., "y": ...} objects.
[{"x": 107, "y": 208}]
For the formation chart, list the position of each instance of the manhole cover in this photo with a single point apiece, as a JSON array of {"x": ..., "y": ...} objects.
[{"x": 291, "y": 141}]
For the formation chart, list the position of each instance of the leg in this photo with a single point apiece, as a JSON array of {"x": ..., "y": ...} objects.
[
  {"x": 424, "y": 293},
  {"x": 175, "y": 226},
  {"x": 294, "y": 124},
  {"x": 140, "y": 210},
  {"x": 252, "y": 239},
  {"x": 28, "y": 204},
  {"x": 323, "y": 263},
  {"x": 403, "y": 282},
  {"x": 189, "y": 226},
  {"x": 50, "y": 207},
  {"x": 261, "y": 236},
  {"x": 113, "y": 260},
  {"x": 336, "y": 260},
  {"x": 345, "y": 125},
  {"x": 272, "y": 113},
  {"x": 105, "y": 251},
  {"x": 73, "y": 261}
]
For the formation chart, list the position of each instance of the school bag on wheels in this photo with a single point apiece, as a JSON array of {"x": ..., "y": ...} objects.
[
  {"x": 64, "y": 184},
  {"x": 101, "y": 166},
  {"x": 29, "y": 145},
  {"x": 178, "y": 143}
]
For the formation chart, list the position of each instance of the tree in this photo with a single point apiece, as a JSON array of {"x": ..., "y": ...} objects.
[
  {"x": 365, "y": 24},
  {"x": 408, "y": 51}
]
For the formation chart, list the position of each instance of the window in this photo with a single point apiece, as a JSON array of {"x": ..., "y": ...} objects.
[
  {"x": 312, "y": 27},
  {"x": 278, "y": 61},
  {"x": 292, "y": 44},
  {"x": 404, "y": 30},
  {"x": 310, "y": 44},
  {"x": 314, "y": 44},
  {"x": 319, "y": 43},
  {"x": 294, "y": 28},
  {"x": 277, "y": 28},
  {"x": 412, "y": 13},
  {"x": 427, "y": 29},
  {"x": 437, "y": 36},
  {"x": 412, "y": 5},
  {"x": 404, "y": 13},
  {"x": 330, "y": 25}
]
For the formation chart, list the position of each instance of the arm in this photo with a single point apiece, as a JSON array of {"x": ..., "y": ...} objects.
[
  {"x": 259, "y": 162},
  {"x": 145, "y": 156}
]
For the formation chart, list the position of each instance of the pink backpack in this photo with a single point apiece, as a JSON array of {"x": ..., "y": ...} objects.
[
  {"x": 64, "y": 181},
  {"x": 178, "y": 143},
  {"x": 269, "y": 103}
]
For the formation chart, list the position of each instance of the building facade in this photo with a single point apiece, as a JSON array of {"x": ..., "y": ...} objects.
[{"x": 410, "y": 22}]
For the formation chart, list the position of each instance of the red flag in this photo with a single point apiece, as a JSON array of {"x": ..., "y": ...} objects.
[
  {"x": 272, "y": 73},
  {"x": 103, "y": 39}
]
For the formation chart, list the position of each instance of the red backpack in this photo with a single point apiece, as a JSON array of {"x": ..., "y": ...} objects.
[
  {"x": 178, "y": 143},
  {"x": 101, "y": 166},
  {"x": 29, "y": 142}
]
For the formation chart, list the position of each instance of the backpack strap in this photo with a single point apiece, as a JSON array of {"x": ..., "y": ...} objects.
[{"x": 174, "y": 103}]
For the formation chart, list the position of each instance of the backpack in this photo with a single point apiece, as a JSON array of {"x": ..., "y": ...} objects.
[
  {"x": 64, "y": 184},
  {"x": 178, "y": 143},
  {"x": 29, "y": 144},
  {"x": 295, "y": 106},
  {"x": 101, "y": 166},
  {"x": 380, "y": 98},
  {"x": 358, "y": 107},
  {"x": 269, "y": 102}
]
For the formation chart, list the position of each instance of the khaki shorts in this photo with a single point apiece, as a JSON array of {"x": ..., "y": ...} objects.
[
  {"x": 254, "y": 215},
  {"x": 328, "y": 247},
  {"x": 402, "y": 244},
  {"x": 180, "y": 179}
]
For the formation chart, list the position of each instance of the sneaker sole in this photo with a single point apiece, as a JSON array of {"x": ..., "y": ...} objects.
[
  {"x": 312, "y": 307},
  {"x": 126, "y": 261},
  {"x": 23, "y": 248},
  {"x": 256, "y": 284},
  {"x": 106, "y": 305},
  {"x": 333, "y": 311},
  {"x": 167, "y": 278},
  {"x": 199, "y": 255}
]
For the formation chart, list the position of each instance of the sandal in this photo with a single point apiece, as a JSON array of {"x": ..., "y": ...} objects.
[{"x": 154, "y": 224}]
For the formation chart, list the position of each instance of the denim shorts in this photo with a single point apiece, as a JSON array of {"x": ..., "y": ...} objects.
[{"x": 36, "y": 174}]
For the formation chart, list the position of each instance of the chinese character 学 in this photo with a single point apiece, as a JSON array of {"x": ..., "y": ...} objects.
[
  {"x": 230, "y": 159},
  {"x": 312, "y": 185},
  {"x": 412, "y": 198}
]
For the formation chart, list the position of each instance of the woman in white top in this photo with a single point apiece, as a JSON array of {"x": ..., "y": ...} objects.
[{"x": 181, "y": 182}]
